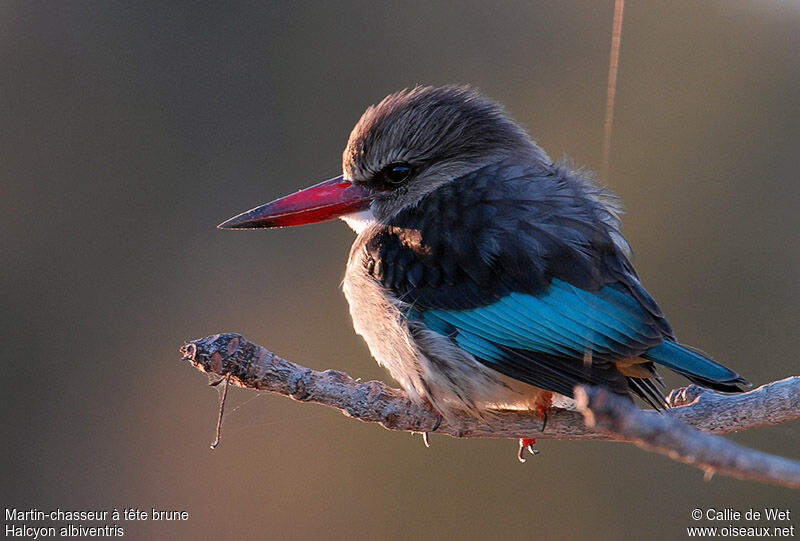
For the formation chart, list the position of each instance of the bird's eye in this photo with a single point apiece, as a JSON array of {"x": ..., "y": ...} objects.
[{"x": 396, "y": 173}]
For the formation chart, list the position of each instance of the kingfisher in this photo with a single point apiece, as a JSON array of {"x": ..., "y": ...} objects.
[{"x": 486, "y": 276}]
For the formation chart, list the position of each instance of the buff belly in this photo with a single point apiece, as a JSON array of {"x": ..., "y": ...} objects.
[{"x": 429, "y": 366}]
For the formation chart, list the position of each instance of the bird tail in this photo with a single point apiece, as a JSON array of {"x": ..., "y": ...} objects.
[{"x": 696, "y": 367}]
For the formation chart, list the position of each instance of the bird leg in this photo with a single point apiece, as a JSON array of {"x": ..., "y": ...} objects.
[
  {"x": 542, "y": 411},
  {"x": 530, "y": 443}
]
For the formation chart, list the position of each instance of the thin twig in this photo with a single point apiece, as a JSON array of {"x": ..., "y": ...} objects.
[
  {"x": 222, "y": 401},
  {"x": 667, "y": 435},
  {"x": 254, "y": 367},
  {"x": 611, "y": 90}
]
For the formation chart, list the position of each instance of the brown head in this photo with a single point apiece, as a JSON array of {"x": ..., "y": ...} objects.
[{"x": 401, "y": 149}]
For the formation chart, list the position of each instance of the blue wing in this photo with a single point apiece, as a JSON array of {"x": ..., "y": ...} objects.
[
  {"x": 554, "y": 340},
  {"x": 522, "y": 271},
  {"x": 607, "y": 324}
]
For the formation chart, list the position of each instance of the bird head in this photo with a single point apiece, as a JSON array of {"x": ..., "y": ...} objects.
[{"x": 402, "y": 149}]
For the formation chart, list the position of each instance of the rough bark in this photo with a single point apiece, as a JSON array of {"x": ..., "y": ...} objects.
[{"x": 600, "y": 416}]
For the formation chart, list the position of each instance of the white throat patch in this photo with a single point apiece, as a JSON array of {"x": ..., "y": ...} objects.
[{"x": 358, "y": 221}]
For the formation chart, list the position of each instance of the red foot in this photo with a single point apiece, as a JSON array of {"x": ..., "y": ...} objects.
[
  {"x": 541, "y": 408},
  {"x": 530, "y": 445}
]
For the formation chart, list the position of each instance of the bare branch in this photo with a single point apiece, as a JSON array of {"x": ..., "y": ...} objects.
[
  {"x": 254, "y": 367},
  {"x": 770, "y": 404},
  {"x": 667, "y": 435}
]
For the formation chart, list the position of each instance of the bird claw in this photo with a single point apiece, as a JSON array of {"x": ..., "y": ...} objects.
[
  {"x": 438, "y": 422},
  {"x": 425, "y": 438},
  {"x": 530, "y": 445},
  {"x": 542, "y": 411},
  {"x": 426, "y": 435}
]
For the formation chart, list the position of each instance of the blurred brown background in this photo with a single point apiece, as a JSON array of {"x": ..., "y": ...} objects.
[{"x": 130, "y": 129}]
